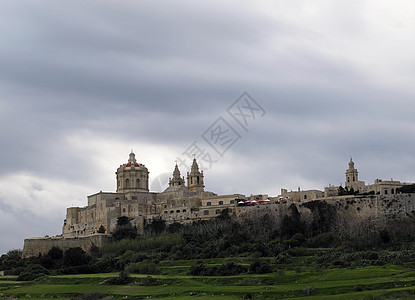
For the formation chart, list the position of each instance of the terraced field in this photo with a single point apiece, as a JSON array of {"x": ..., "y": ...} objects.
[{"x": 290, "y": 282}]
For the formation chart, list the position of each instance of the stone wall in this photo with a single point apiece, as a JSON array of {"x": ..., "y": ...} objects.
[{"x": 34, "y": 246}]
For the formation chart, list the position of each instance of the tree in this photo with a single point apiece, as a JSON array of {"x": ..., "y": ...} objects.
[
  {"x": 124, "y": 229},
  {"x": 75, "y": 257},
  {"x": 55, "y": 253},
  {"x": 157, "y": 225}
]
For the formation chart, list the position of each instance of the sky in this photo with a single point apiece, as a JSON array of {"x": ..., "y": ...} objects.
[{"x": 265, "y": 94}]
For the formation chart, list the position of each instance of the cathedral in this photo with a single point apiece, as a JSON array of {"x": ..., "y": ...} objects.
[{"x": 181, "y": 201}]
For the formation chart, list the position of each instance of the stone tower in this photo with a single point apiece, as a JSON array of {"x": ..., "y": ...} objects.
[
  {"x": 132, "y": 176},
  {"x": 351, "y": 175},
  {"x": 176, "y": 180},
  {"x": 195, "y": 178}
]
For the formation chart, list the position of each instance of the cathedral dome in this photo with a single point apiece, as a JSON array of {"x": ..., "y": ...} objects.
[{"x": 132, "y": 176}]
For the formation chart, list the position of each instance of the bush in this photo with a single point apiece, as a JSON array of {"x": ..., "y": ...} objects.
[
  {"x": 283, "y": 258},
  {"x": 260, "y": 267},
  {"x": 146, "y": 267},
  {"x": 149, "y": 281},
  {"x": 55, "y": 253},
  {"x": 32, "y": 272},
  {"x": 308, "y": 291},
  {"x": 123, "y": 278},
  {"x": 75, "y": 257}
]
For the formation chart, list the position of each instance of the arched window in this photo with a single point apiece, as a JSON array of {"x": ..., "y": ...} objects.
[
  {"x": 392, "y": 191},
  {"x": 127, "y": 183},
  {"x": 198, "y": 180},
  {"x": 206, "y": 212},
  {"x": 220, "y": 202},
  {"x": 218, "y": 211},
  {"x": 137, "y": 183}
]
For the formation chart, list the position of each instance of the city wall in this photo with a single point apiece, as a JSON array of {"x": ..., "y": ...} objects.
[
  {"x": 34, "y": 246},
  {"x": 349, "y": 210}
]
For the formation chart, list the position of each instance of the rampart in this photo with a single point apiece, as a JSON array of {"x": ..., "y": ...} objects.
[{"x": 34, "y": 246}]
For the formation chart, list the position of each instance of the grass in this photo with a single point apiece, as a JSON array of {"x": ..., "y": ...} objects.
[{"x": 374, "y": 282}]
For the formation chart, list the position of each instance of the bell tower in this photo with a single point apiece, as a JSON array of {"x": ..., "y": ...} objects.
[
  {"x": 351, "y": 175},
  {"x": 195, "y": 178},
  {"x": 132, "y": 176},
  {"x": 176, "y": 180}
]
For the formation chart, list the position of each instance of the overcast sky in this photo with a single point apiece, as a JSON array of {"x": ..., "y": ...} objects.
[{"x": 84, "y": 82}]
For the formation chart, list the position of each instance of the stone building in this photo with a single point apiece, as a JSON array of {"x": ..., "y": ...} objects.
[
  {"x": 352, "y": 183},
  {"x": 186, "y": 201},
  {"x": 180, "y": 202}
]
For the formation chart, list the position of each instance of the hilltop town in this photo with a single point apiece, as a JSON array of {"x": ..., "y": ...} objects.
[{"x": 186, "y": 201}]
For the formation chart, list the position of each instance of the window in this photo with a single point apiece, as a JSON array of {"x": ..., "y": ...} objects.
[
  {"x": 123, "y": 210},
  {"x": 209, "y": 204},
  {"x": 220, "y": 202},
  {"x": 137, "y": 183},
  {"x": 127, "y": 183},
  {"x": 218, "y": 211},
  {"x": 206, "y": 212},
  {"x": 230, "y": 210},
  {"x": 178, "y": 211},
  {"x": 184, "y": 210},
  {"x": 133, "y": 197},
  {"x": 305, "y": 197},
  {"x": 386, "y": 191},
  {"x": 165, "y": 211},
  {"x": 232, "y": 202},
  {"x": 172, "y": 211}
]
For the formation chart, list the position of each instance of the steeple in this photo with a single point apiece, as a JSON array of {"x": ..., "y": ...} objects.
[
  {"x": 351, "y": 174},
  {"x": 195, "y": 178},
  {"x": 176, "y": 180}
]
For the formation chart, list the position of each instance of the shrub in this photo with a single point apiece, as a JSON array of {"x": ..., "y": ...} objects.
[
  {"x": 260, "y": 267},
  {"x": 32, "y": 272},
  {"x": 123, "y": 278},
  {"x": 75, "y": 257},
  {"x": 147, "y": 267},
  {"x": 283, "y": 258},
  {"x": 55, "y": 253},
  {"x": 149, "y": 281},
  {"x": 308, "y": 291}
]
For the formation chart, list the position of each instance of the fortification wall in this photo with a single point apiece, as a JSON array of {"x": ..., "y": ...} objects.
[
  {"x": 34, "y": 246},
  {"x": 380, "y": 207},
  {"x": 349, "y": 209}
]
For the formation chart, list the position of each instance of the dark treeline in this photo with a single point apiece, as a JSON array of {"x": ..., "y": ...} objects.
[{"x": 226, "y": 236}]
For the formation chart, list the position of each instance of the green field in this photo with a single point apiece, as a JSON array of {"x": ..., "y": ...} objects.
[{"x": 295, "y": 281}]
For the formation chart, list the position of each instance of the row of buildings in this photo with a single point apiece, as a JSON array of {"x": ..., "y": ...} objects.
[
  {"x": 352, "y": 185},
  {"x": 184, "y": 200}
]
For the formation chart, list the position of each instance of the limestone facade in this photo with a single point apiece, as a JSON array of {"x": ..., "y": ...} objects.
[
  {"x": 180, "y": 202},
  {"x": 379, "y": 187}
]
